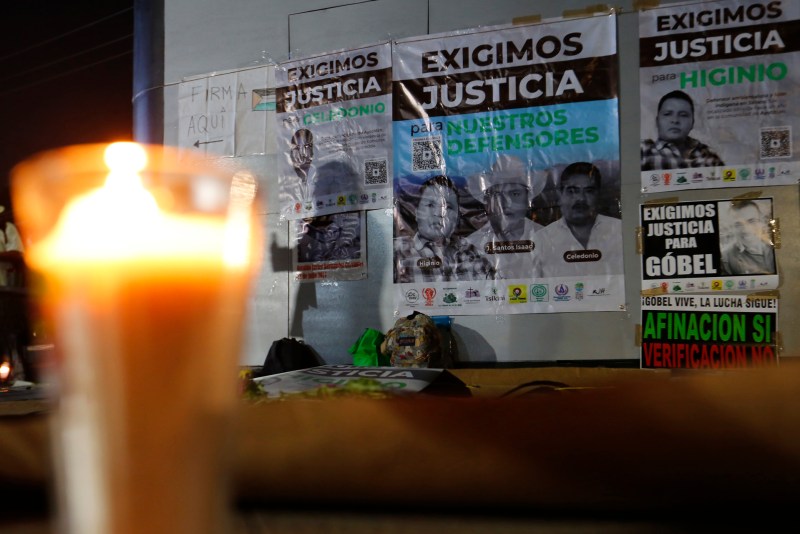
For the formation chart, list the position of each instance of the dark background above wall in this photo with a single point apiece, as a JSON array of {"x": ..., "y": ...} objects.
[{"x": 66, "y": 76}]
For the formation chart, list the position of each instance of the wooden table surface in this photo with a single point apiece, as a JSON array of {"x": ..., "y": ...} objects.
[{"x": 634, "y": 455}]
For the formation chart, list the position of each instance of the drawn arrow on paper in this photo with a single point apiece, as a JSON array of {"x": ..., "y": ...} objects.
[{"x": 199, "y": 142}]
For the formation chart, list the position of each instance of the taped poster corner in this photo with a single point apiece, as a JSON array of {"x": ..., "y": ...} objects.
[
  {"x": 661, "y": 201},
  {"x": 765, "y": 295},
  {"x": 641, "y": 5},
  {"x": 639, "y": 240},
  {"x": 588, "y": 11},
  {"x": 527, "y": 19},
  {"x": 750, "y": 195},
  {"x": 651, "y": 291},
  {"x": 775, "y": 229},
  {"x": 637, "y": 334}
]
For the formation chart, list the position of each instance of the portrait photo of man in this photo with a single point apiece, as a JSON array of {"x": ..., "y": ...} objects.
[
  {"x": 301, "y": 154},
  {"x": 750, "y": 249},
  {"x": 507, "y": 191},
  {"x": 329, "y": 237},
  {"x": 435, "y": 253},
  {"x": 581, "y": 228},
  {"x": 675, "y": 148}
]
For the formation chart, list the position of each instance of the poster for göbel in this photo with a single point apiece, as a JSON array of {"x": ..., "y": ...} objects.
[
  {"x": 708, "y": 246},
  {"x": 506, "y": 147},
  {"x": 334, "y": 135},
  {"x": 708, "y": 331},
  {"x": 720, "y": 94}
]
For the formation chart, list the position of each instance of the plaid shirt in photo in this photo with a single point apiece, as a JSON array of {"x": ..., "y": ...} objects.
[
  {"x": 665, "y": 155},
  {"x": 415, "y": 261}
]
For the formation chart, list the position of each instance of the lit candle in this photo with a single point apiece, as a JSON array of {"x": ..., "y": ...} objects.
[
  {"x": 121, "y": 222},
  {"x": 147, "y": 288}
]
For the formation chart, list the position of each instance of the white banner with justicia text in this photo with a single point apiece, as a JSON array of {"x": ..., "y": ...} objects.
[
  {"x": 334, "y": 133},
  {"x": 506, "y": 170},
  {"x": 720, "y": 94}
]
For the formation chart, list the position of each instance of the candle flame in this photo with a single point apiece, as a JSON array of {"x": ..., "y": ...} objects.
[
  {"x": 5, "y": 370},
  {"x": 125, "y": 157},
  {"x": 122, "y": 220},
  {"x": 113, "y": 219},
  {"x": 125, "y": 161}
]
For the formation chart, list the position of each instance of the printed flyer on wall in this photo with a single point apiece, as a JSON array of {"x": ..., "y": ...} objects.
[
  {"x": 506, "y": 147},
  {"x": 720, "y": 94},
  {"x": 329, "y": 247},
  {"x": 334, "y": 132},
  {"x": 709, "y": 331},
  {"x": 226, "y": 114},
  {"x": 709, "y": 245}
]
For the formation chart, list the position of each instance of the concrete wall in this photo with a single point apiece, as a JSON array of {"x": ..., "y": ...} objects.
[{"x": 206, "y": 36}]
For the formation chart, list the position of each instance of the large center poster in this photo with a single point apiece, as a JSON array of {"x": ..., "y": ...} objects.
[
  {"x": 334, "y": 135},
  {"x": 506, "y": 170},
  {"x": 720, "y": 98}
]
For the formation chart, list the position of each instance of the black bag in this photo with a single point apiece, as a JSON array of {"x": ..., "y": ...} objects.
[{"x": 289, "y": 354}]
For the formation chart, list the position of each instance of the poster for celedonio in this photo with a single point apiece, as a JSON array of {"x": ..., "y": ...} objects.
[
  {"x": 334, "y": 132},
  {"x": 720, "y": 94},
  {"x": 709, "y": 331}
]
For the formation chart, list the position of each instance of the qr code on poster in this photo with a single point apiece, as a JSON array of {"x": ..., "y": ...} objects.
[
  {"x": 776, "y": 142},
  {"x": 426, "y": 153},
  {"x": 375, "y": 172}
]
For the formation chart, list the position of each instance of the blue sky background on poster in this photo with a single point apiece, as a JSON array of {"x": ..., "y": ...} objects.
[{"x": 467, "y": 149}]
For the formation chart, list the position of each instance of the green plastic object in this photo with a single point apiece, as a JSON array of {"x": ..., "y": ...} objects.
[{"x": 366, "y": 350}]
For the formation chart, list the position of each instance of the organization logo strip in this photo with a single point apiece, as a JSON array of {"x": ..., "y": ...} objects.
[{"x": 510, "y": 297}]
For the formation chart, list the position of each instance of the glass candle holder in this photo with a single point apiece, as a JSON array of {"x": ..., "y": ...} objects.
[{"x": 145, "y": 259}]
